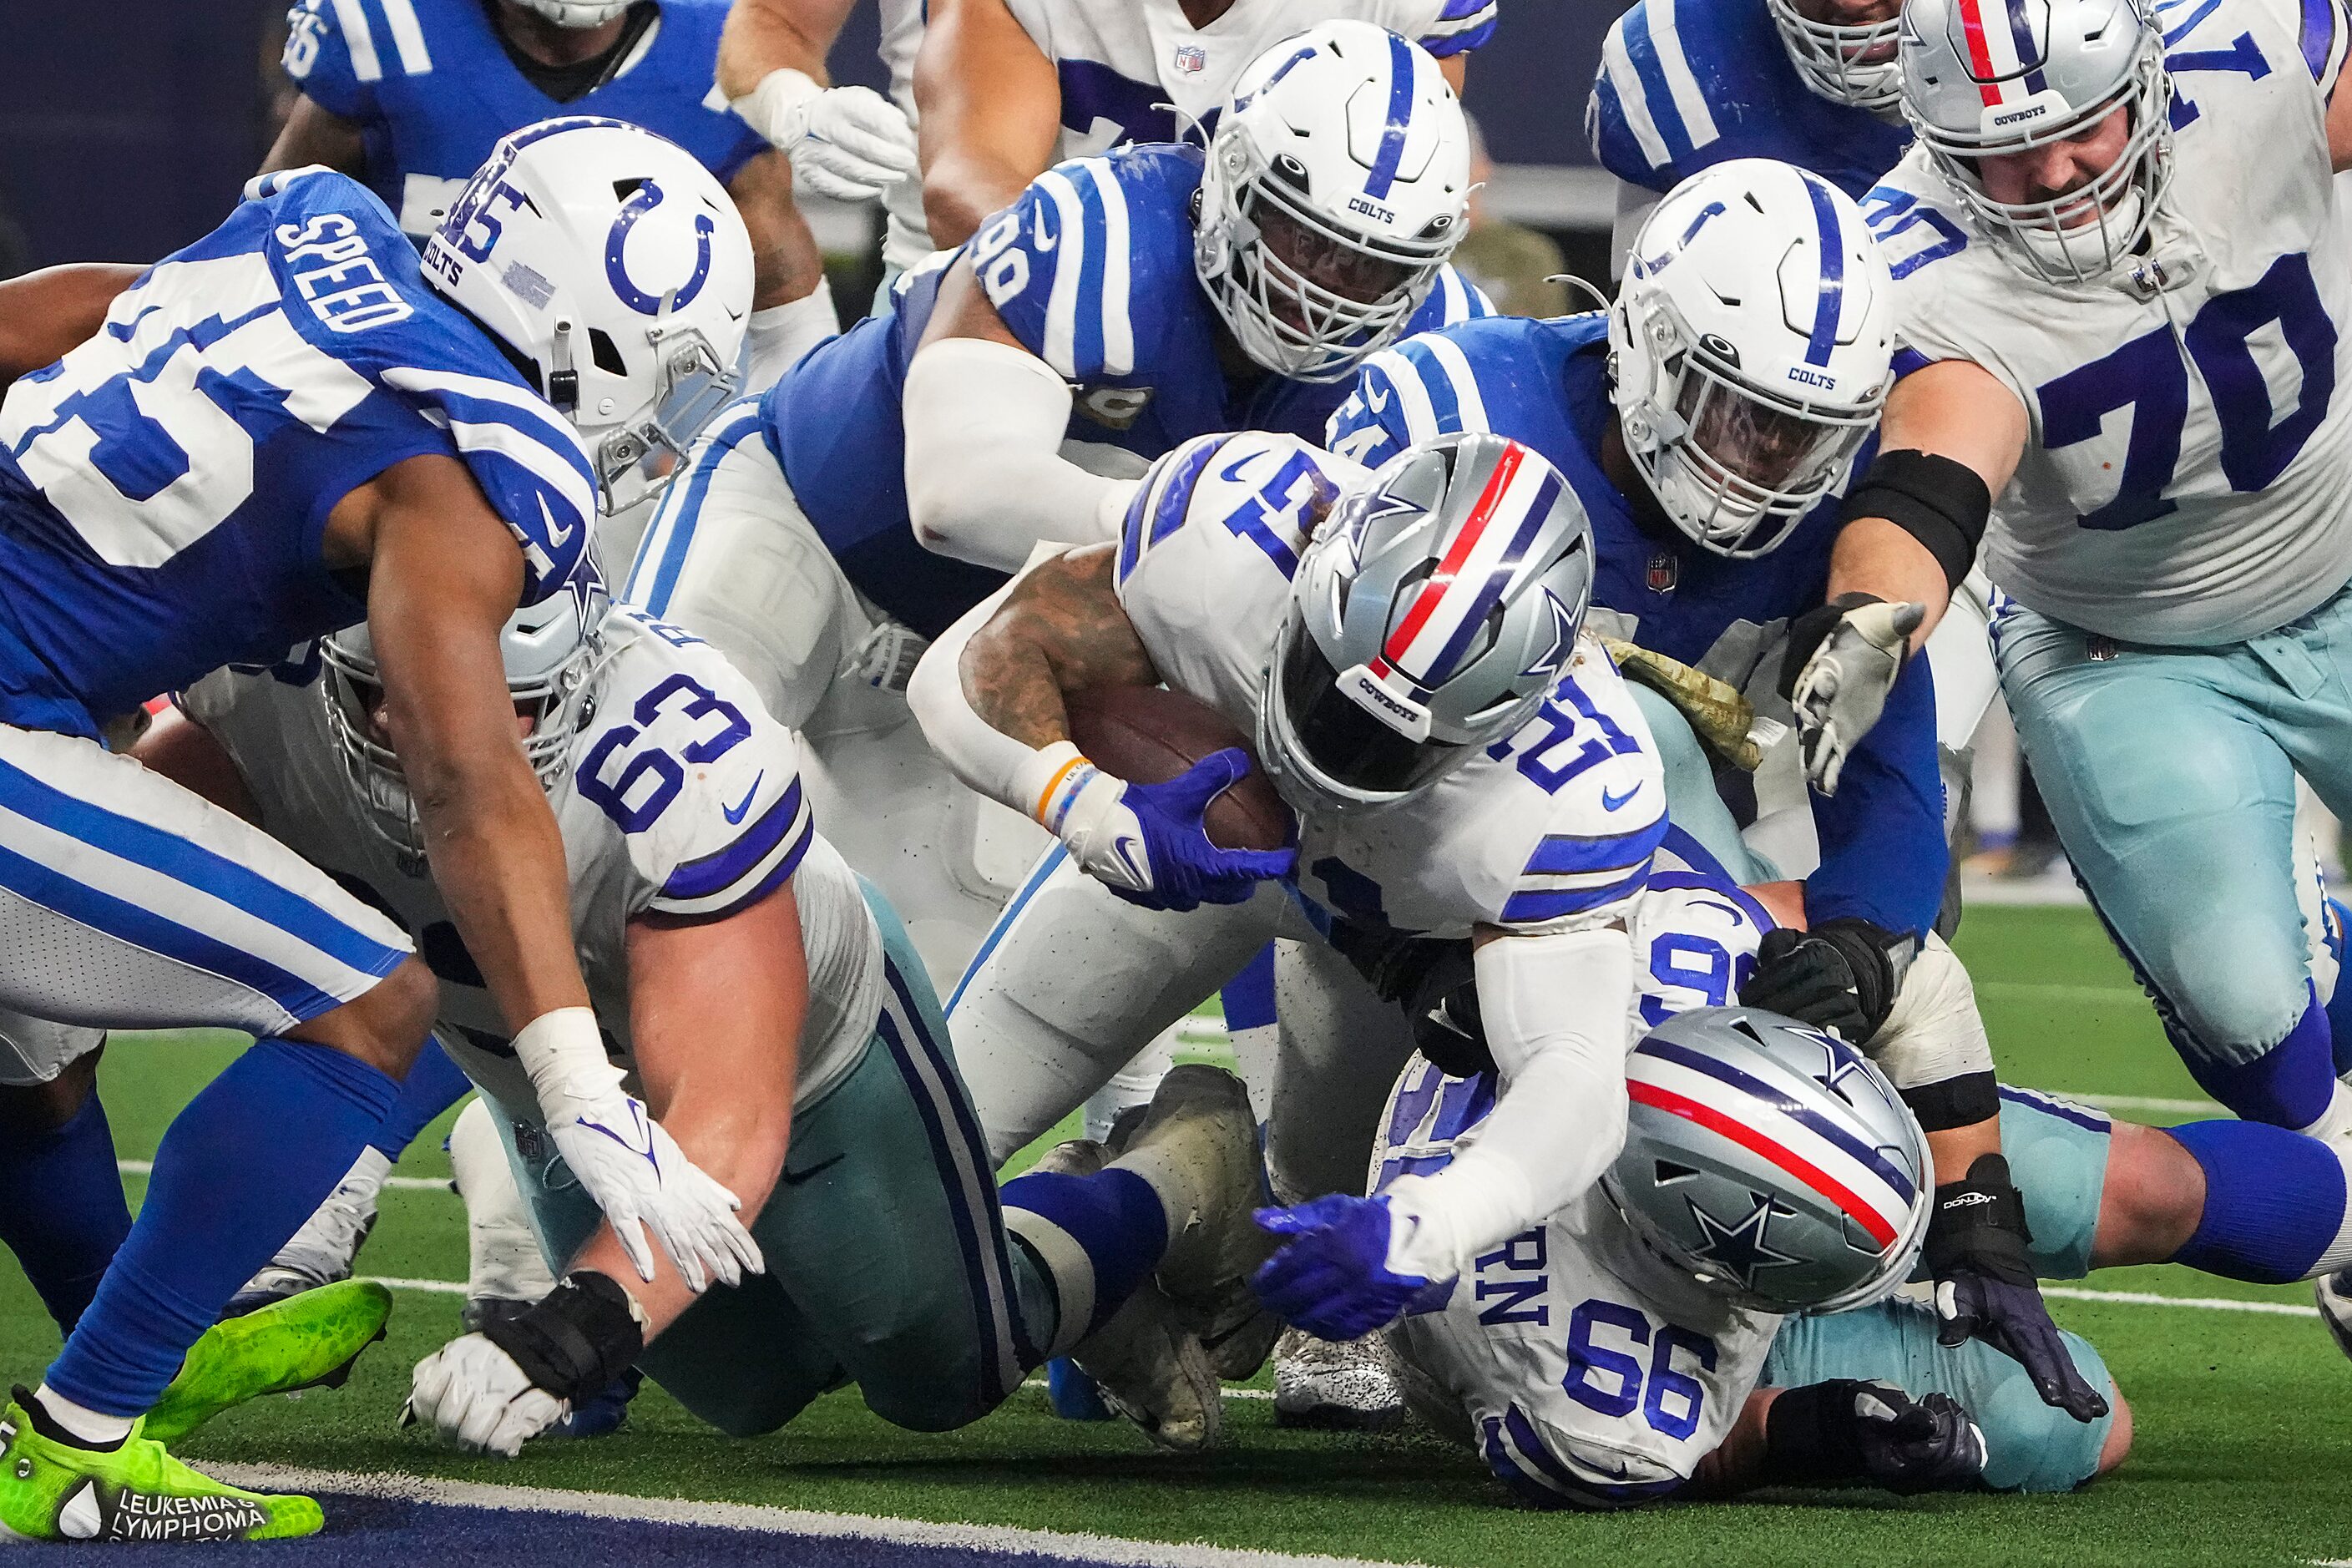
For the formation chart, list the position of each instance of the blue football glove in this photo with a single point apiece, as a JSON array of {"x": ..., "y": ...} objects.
[
  {"x": 1332, "y": 1278},
  {"x": 1147, "y": 842}
]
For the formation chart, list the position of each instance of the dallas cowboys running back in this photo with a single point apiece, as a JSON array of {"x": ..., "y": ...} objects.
[
  {"x": 281, "y": 430},
  {"x": 1460, "y": 759},
  {"x": 1016, "y": 85},
  {"x": 889, "y": 482},
  {"x": 2123, "y": 274}
]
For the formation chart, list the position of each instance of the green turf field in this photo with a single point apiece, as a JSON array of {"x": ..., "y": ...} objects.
[{"x": 2243, "y": 1455}]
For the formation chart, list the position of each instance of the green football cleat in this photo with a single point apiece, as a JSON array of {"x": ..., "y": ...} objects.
[
  {"x": 51, "y": 1490},
  {"x": 304, "y": 1340}
]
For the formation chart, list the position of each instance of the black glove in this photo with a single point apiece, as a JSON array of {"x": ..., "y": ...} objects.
[
  {"x": 1434, "y": 980},
  {"x": 1845, "y": 1431},
  {"x": 1985, "y": 1285},
  {"x": 1841, "y": 975}
]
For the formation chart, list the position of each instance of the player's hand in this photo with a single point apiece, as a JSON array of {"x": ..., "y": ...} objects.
[
  {"x": 1332, "y": 1276},
  {"x": 474, "y": 1397},
  {"x": 1986, "y": 1287},
  {"x": 1911, "y": 1445},
  {"x": 845, "y": 143},
  {"x": 642, "y": 1181},
  {"x": 1842, "y": 662},
  {"x": 1149, "y": 844},
  {"x": 1841, "y": 975}
]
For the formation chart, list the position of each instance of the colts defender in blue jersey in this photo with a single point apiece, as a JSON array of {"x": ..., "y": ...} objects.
[
  {"x": 1687, "y": 84},
  {"x": 892, "y": 479},
  {"x": 281, "y": 430},
  {"x": 409, "y": 96}
]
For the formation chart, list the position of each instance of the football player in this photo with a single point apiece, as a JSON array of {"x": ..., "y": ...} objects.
[
  {"x": 408, "y": 97},
  {"x": 1673, "y": 1275},
  {"x": 771, "y": 1007},
  {"x": 283, "y": 430},
  {"x": 2086, "y": 228},
  {"x": 895, "y": 476},
  {"x": 1009, "y": 87}
]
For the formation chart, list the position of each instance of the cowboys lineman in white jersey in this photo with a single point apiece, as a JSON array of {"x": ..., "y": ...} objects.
[{"x": 2120, "y": 260}]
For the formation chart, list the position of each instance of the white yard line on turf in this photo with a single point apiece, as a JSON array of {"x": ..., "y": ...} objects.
[
  {"x": 780, "y": 1520},
  {"x": 410, "y": 1184}
]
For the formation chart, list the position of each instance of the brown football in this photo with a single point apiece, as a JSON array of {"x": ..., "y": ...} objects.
[{"x": 1148, "y": 734}]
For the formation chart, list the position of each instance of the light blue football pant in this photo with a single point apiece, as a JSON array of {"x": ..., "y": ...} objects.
[
  {"x": 887, "y": 1262},
  {"x": 2170, "y": 773},
  {"x": 1695, "y": 809},
  {"x": 2058, "y": 1154}
]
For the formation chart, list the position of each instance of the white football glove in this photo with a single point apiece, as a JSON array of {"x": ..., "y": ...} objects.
[
  {"x": 1844, "y": 684},
  {"x": 474, "y": 1396},
  {"x": 846, "y": 142},
  {"x": 642, "y": 1181}
]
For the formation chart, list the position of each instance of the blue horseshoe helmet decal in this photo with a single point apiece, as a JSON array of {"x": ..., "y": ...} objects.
[{"x": 647, "y": 197}]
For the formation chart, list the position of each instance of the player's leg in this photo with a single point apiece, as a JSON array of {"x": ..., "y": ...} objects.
[
  {"x": 126, "y": 901},
  {"x": 2029, "y": 1446},
  {"x": 1693, "y": 803},
  {"x": 1072, "y": 981},
  {"x": 2161, "y": 773},
  {"x": 62, "y": 1211}
]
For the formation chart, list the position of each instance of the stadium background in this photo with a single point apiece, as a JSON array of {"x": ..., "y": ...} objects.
[{"x": 125, "y": 131}]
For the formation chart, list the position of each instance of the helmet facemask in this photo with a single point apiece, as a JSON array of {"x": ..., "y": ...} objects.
[
  {"x": 2079, "y": 236},
  {"x": 1324, "y": 748},
  {"x": 1306, "y": 296},
  {"x": 691, "y": 384},
  {"x": 1855, "y": 66},
  {"x": 578, "y": 13}
]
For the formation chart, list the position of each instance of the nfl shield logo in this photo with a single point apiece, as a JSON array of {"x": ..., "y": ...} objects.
[
  {"x": 1192, "y": 59},
  {"x": 1665, "y": 571}
]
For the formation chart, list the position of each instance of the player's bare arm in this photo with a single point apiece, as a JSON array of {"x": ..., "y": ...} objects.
[
  {"x": 1061, "y": 628},
  {"x": 764, "y": 36},
  {"x": 314, "y": 135},
  {"x": 845, "y": 142},
  {"x": 185, "y": 752},
  {"x": 990, "y": 112},
  {"x": 45, "y": 315},
  {"x": 715, "y": 1012},
  {"x": 785, "y": 263}
]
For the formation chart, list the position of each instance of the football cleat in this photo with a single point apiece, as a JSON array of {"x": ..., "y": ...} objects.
[
  {"x": 1343, "y": 1386},
  {"x": 306, "y": 1341},
  {"x": 1200, "y": 1123},
  {"x": 2334, "y": 1292},
  {"x": 55, "y": 1490},
  {"x": 323, "y": 1250},
  {"x": 1151, "y": 1369}
]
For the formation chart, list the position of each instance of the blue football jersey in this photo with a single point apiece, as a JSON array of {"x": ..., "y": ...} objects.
[
  {"x": 430, "y": 86},
  {"x": 164, "y": 488},
  {"x": 1091, "y": 269},
  {"x": 1686, "y": 84},
  {"x": 1545, "y": 383}
]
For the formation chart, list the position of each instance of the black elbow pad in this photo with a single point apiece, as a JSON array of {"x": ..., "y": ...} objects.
[{"x": 1941, "y": 503}]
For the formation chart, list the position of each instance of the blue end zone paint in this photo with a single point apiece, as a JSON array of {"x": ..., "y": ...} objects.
[{"x": 369, "y": 1531}]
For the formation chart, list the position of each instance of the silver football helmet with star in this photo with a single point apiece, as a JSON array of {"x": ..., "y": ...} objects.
[{"x": 1771, "y": 1161}]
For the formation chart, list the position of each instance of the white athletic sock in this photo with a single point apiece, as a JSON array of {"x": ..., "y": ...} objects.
[
  {"x": 92, "y": 1427},
  {"x": 2335, "y": 1125}
]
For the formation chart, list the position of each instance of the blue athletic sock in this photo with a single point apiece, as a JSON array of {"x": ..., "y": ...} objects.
[
  {"x": 239, "y": 1170},
  {"x": 2289, "y": 1085},
  {"x": 61, "y": 1209},
  {"x": 1098, "y": 1237},
  {"x": 1249, "y": 996},
  {"x": 434, "y": 1085},
  {"x": 2339, "y": 1001},
  {"x": 2275, "y": 1202}
]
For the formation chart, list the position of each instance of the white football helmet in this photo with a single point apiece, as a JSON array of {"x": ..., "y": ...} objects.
[
  {"x": 1986, "y": 78},
  {"x": 617, "y": 274},
  {"x": 1335, "y": 186},
  {"x": 1854, "y": 65},
  {"x": 577, "y": 12},
  {"x": 552, "y": 651},
  {"x": 1752, "y": 345}
]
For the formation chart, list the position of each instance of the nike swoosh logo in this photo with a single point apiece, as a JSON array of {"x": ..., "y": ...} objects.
[
  {"x": 795, "y": 1178},
  {"x": 1375, "y": 398},
  {"x": 734, "y": 813},
  {"x": 554, "y": 535},
  {"x": 1039, "y": 237},
  {"x": 1130, "y": 855},
  {"x": 1611, "y": 802}
]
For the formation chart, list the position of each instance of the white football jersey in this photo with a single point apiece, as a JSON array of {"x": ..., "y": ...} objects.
[
  {"x": 684, "y": 798},
  {"x": 1118, "y": 60},
  {"x": 1588, "y": 1367},
  {"x": 1551, "y": 829},
  {"x": 2187, "y": 473}
]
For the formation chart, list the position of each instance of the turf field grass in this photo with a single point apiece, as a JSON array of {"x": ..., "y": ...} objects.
[{"x": 2243, "y": 1455}]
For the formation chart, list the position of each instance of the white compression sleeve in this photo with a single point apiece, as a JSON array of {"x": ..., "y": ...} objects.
[
  {"x": 985, "y": 478},
  {"x": 1557, "y": 1009},
  {"x": 775, "y": 338}
]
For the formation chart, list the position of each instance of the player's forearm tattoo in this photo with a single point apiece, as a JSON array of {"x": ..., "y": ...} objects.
[{"x": 1061, "y": 629}]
